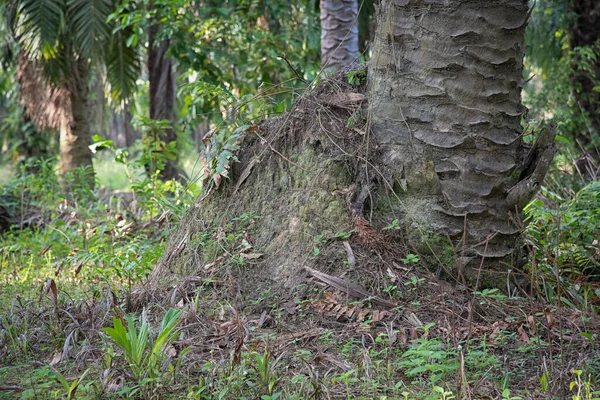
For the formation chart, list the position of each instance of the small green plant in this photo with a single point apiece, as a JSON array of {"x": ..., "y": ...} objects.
[
  {"x": 410, "y": 259},
  {"x": 321, "y": 239},
  {"x": 265, "y": 369},
  {"x": 395, "y": 224},
  {"x": 427, "y": 359},
  {"x": 391, "y": 290},
  {"x": 583, "y": 387},
  {"x": 70, "y": 387},
  {"x": 488, "y": 295},
  {"x": 443, "y": 393},
  {"x": 347, "y": 378},
  {"x": 414, "y": 282},
  {"x": 318, "y": 241},
  {"x": 506, "y": 395},
  {"x": 357, "y": 77},
  {"x": 143, "y": 357}
]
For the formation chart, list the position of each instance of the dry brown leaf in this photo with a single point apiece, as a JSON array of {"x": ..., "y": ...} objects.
[
  {"x": 171, "y": 351},
  {"x": 56, "y": 357},
  {"x": 51, "y": 287},
  {"x": 522, "y": 334},
  {"x": 251, "y": 256},
  {"x": 376, "y": 315},
  {"x": 78, "y": 268},
  {"x": 239, "y": 340},
  {"x": 550, "y": 319},
  {"x": 392, "y": 275},
  {"x": 532, "y": 326},
  {"x": 350, "y": 312},
  {"x": 45, "y": 250},
  {"x": 402, "y": 336},
  {"x": 217, "y": 179},
  {"x": 362, "y": 313},
  {"x": 330, "y": 297}
]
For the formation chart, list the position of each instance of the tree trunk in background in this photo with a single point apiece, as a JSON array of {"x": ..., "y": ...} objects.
[
  {"x": 75, "y": 136},
  {"x": 121, "y": 131},
  {"x": 339, "y": 34},
  {"x": 162, "y": 94},
  {"x": 585, "y": 31},
  {"x": 63, "y": 108},
  {"x": 446, "y": 81},
  {"x": 198, "y": 133}
]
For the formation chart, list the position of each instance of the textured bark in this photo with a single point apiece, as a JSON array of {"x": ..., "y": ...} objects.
[
  {"x": 75, "y": 137},
  {"x": 162, "y": 93},
  {"x": 47, "y": 106},
  {"x": 584, "y": 30},
  {"x": 446, "y": 78},
  {"x": 60, "y": 107},
  {"x": 339, "y": 34}
]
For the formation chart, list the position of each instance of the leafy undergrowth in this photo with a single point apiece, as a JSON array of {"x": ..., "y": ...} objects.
[{"x": 70, "y": 325}]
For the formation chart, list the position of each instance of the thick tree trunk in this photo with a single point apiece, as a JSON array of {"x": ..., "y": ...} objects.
[
  {"x": 446, "y": 79},
  {"x": 339, "y": 34},
  {"x": 439, "y": 155},
  {"x": 584, "y": 30},
  {"x": 162, "y": 94},
  {"x": 75, "y": 135}
]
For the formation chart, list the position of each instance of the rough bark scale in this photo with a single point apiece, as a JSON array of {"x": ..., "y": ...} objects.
[
  {"x": 339, "y": 34},
  {"x": 60, "y": 107},
  {"x": 584, "y": 30},
  {"x": 75, "y": 138},
  {"x": 47, "y": 106},
  {"x": 161, "y": 73},
  {"x": 446, "y": 79}
]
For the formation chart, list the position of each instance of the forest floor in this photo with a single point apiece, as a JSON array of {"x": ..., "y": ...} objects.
[
  {"x": 80, "y": 318},
  {"x": 420, "y": 338}
]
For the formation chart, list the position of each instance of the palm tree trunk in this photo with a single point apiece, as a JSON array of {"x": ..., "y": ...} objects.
[
  {"x": 161, "y": 73},
  {"x": 63, "y": 108},
  {"x": 75, "y": 135},
  {"x": 446, "y": 82},
  {"x": 339, "y": 34}
]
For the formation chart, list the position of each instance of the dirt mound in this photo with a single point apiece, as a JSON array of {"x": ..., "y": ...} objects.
[{"x": 303, "y": 194}]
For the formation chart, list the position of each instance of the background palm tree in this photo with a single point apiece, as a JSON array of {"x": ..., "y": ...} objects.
[{"x": 60, "y": 42}]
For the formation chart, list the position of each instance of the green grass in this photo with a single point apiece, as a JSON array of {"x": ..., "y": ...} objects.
[
  {"x": 6, "y": 173},
  {"x": 87, "y": 266},
  {"x": 111, "y": 174}
]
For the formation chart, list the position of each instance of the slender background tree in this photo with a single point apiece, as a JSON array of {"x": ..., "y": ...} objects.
[
  {"x": 162, "y": 79},
  {"x": 339, "y": 34}
]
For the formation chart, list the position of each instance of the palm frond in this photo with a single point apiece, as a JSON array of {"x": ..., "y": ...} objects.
[
  {"x": 123, "y": 66},
  {"x": 38, "y": 26},
  {"x": 87, "y": 21}
]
